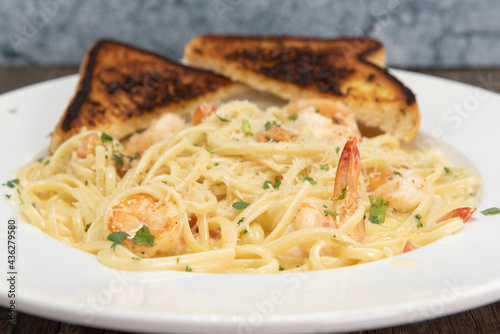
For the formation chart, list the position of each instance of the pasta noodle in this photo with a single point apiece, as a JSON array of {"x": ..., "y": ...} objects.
[{"x": 217, "y": 199}]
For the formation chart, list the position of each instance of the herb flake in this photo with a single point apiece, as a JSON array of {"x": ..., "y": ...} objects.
[
  {"x": 329, "y": 212},
  {"x": 240, "y": 205},
  {"x": 12, "y": 183},
  {"x": 222, "y": 119},
  {"x": 268, "y": 184},
  {"x": 246, "y": 127},
  {"x": 341, "y": 196},
  {"x": 377, "y": 210},
  {"x": 117, "y": 238},
  {"x": 270, "y": 125},
  {"x": 491, "y": 211},
  {"x": 116, "y": 157},
  {"x": 105, "y": 138},
  {"x": 309, "y": 179},
  {"x": 144, "y": 236}
]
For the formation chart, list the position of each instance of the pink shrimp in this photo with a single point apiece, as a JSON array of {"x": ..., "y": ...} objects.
[
  {"x": 203, "y": 111},
  {"x": 346, "y": 198},
  {"x": 88, "y": 144},
  {"x": 464, "y": 213},
  {"x": 160, "y": 129},
  {"x": 344, "y": 124},
  {"x": 275, "y": 134},
  {"x": 345, "y": 192},
  {"x": 161, "y": 217}
]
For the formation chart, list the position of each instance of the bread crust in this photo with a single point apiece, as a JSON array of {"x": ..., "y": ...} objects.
[
  {"x": 123, "y": 88},
  {"x": 346, "y": 69}
]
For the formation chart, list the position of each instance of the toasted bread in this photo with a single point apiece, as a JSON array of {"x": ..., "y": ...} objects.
[
  {"x": 348, "y": 69},
  {"x": 123, "y": 88}
]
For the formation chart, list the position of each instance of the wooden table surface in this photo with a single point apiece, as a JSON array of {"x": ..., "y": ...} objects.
[{"x": 485, "y": 319}]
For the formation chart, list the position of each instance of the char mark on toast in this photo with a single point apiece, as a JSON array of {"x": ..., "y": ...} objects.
[{"x": 123, "y": 88}]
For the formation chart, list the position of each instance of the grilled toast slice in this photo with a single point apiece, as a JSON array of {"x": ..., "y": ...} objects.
[
  {"x": 347, "y": 69},
  {"x": 123, "y": 88}
]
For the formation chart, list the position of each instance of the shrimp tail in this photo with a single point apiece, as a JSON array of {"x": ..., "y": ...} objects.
[
  {"x": 346, "y": 179},
  {"x": 345, "y": 191},
  {"x": 463, "y": 213}
]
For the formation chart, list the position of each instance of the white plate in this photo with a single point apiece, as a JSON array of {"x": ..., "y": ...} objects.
[{"x": 451, "y": 275}]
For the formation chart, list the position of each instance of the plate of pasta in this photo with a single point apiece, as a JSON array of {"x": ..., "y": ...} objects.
[{"x": 254, "y": 218}]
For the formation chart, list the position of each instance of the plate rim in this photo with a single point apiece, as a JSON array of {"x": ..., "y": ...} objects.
[{"x": 276, "y": 322}]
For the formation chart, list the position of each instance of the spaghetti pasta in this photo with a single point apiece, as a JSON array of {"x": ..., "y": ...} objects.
[{"x": 232, "y": 195}]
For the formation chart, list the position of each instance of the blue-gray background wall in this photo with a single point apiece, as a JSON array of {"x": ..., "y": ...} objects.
[{"x": 448, "y": 33}]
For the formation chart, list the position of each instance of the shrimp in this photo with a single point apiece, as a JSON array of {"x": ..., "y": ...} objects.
[
  {"x": 347, "y": 202},
  {"x": 310, "y": 215},
  {"x": 275, "y": 134},
  {"x": 88, "y": 144},
  {"x": 463, "y": 213},
  {"x": 321, "y": 118},
  {"x": 161, "y": 217},
  {"x": 403, "y": 189},
  {"x": 163, "y": 128},
  {"x": 203, "y": 111}
]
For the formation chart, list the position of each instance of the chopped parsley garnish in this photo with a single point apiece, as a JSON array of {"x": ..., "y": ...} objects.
[
  {"x": 136, "y": 155},
  {"x": 270, "y": 125},
  {"x": 328, "y": 212},
  {"x": 418, "y": 216},
  {"x": 209, "y": 149},
  {"x": 242, "y": 219},
  {"x": 246, "y": 127},
  {"x": 447, "y": 170},
  {"x": 116, "y": 157},
  {"x": 491, "y": 211},
  {"x": 144, "y": 236},
  {"x": 240, "y": 205},
  {"x": 268, "y": 184},
  {"x": 317, "y": 110},
  {"x": 117, "y": 238},
  {"x": 292, "y": 117},
  {"x": 105, "y": 138},
  {"x": 337, "y": 150},
  {"x": 309, "y": 179},
  {"x": 281, "y": 268},
  {"x": 222, "y": 119},
  {"x": 377, "y": 210},
  {"x": 395, "y": 172},
  {"x": 272, "y": 140},
  {"x": 188, "y": 268},
  {"x": 243, "y": 232},
  {"x": 341, "y": 196},
  {"x": 323, "y": 167},
  {"x": 136, "y": 258},
  {"x": 12, "y": 183},
  {"x": 49, "y": 134},
  {"x": 11, "y": 111},
  {"x": 8, "y": 196}
]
